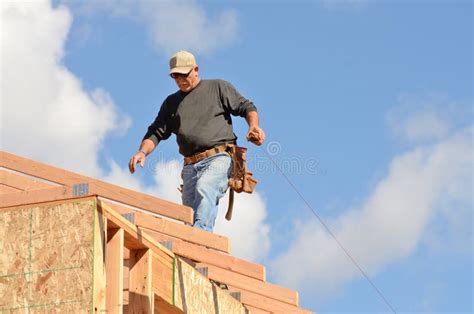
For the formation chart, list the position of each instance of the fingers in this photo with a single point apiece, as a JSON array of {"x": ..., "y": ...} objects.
[
  {"x": 131, "y": 165},
  {"x": 256, "y": 136},
  {"x": 262, "y": 137},
  {"x": 137, "y": 158}
]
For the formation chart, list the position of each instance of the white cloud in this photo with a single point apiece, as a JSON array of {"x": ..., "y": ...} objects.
[
  {"x": 391, "y": 223},
  {"x": 426, "y": 118},
  {"x": 122, "y": 177},
  {"x": 168, "y": 179},
  {"x": 173, "y": 25},
  {"x": 177, "y": 25},
  {"x": 248, "y": 230},
  {"x": 46, "y": 113},
  {"x": 425, "y": 125}
]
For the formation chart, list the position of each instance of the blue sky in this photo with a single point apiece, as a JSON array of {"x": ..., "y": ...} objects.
[{"x": 367, "y": 107}]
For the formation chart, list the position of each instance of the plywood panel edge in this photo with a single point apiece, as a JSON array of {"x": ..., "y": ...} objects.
[
  {"x": 51, "y": 202},
  {"x": 100, "y": 241}
]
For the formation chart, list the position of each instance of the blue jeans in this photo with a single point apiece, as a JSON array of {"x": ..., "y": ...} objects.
[{"x": 204, "y": 184}]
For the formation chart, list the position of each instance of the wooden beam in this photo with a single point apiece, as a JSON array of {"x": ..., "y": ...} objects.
[
  {"x": 22, "y": 182},
  {"x": 114, "y": 270},
  {"x": 211, "y": 257},
  {"x": 134, "y": 239},
  {"x": 5, "y": 189},
  {"x": 35, "y": 196},
  {"x": 99, "y": 282},
  {"x": 163, "y": 279},
  {"x": 141, "y": 296},
  {"x": 265, "y": 303},
  {"x": 52, "y": 203},
  {"x": 177, "y": 230},
  {"x": 251, "y": 284},
  {"x": 254, "y": 310},
  {"x": 173, "y": 228},
  {"x": 163, "y": 307},
  {"x": 116, "y": 193}
]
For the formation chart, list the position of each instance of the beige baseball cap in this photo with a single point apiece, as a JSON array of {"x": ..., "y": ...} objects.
[{"x": 182, "y": 62}]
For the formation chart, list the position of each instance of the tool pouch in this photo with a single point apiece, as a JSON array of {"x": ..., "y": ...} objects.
[{"x": 241, "y": 179}]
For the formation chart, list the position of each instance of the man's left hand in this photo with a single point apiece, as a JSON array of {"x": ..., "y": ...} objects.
[{"x": 256, "y": 135}]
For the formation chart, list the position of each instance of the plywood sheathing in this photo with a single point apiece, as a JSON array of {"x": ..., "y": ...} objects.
[
  {"x": 198, "y": 295},
  {"x": 240, "y": 281},
  {"x": 44, "y": 247}
]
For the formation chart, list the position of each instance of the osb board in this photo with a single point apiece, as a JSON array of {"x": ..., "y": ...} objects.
[
  {"x": 46, "y": 260},
  {"x": 196, "y": 294}
]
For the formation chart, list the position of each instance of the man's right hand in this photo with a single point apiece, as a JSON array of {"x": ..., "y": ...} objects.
[{"x": 139, "y": 158}]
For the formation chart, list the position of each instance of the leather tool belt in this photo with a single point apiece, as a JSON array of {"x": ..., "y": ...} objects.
[
  {"x": 240, "y": 180},
  {"x": 205, "y": 154}
]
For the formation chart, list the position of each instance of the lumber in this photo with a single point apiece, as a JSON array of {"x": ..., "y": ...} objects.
[
  {"x": 187, "y": 233},
  {"x": 141, "y": 294},
  {"x": 114, "y": 270},
  {"x": 261, "y": 302},
  {"x": 173, "y": 228},
  {"x": 22, "y": 182},
  {"x": 163, "y": 307},
  {"x": 163, "y": 279},
  {"x": 254, "y": 310},
  {"x": 76, "y": 200},
  {"x": 5, "y": 189},
  {"x": 35, "y": 196},
  {"x": 134, "y": 238},
  {"x": 251, "y": 284},
  {"x": 99, "y": 278},
  {"x": 211, "y": 257},
  {"x": 126, "y": 196}
]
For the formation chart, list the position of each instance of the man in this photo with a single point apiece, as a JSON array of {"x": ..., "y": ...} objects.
[{"x": 199, "y": 113}]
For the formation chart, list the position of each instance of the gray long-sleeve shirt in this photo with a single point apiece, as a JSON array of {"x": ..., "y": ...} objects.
[{"x": 201, "y": 118}]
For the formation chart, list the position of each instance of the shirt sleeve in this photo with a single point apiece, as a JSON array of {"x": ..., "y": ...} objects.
[
  {"x": 159, "y": 130},
  {"x": 233, "y": 102}
]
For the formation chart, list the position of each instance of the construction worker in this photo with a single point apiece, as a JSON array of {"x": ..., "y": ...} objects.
[{"x": 199, "y": 113}]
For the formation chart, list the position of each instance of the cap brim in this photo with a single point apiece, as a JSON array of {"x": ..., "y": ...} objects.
[{"x": 182, "y": 70}]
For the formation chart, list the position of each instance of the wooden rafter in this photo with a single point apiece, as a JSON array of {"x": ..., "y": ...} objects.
[
  {"x": 211, "y": 257},
  {"x": 22, "y": 182},
  {"x": 35, "y": 196},
  {"x": 67, "y": 178},
  {"x": 263, "y": 288},
  {"x": 173, "y": 229}
]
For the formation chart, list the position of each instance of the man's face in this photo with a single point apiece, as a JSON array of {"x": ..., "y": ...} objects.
[{"x": 186, "y": 82}]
